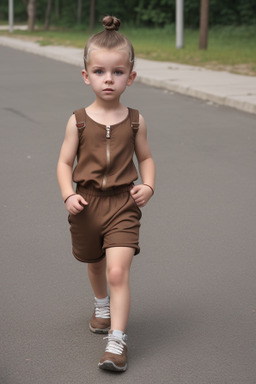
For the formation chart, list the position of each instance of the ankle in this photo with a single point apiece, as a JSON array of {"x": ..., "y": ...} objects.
[
  {"x": 118, "y": 334},
  {"x": 104, "y": 301}
]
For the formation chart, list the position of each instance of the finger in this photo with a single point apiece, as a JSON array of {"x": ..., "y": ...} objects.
[
  {"x": 79, "y": 207},
  {"x": 76, "y": 207},
  {"x": 134, "y": 190},
  {"x": 138, "y": 202},
  {"x": 83, "y": 202},
  {"x": 75, "y": 211},
  {"x": 137, "y": 196}
]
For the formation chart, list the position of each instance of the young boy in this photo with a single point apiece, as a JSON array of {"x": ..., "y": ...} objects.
[{"x": 104, "y": 212}]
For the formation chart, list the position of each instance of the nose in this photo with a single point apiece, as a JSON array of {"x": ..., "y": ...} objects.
[{"x": 108, "y": 78}]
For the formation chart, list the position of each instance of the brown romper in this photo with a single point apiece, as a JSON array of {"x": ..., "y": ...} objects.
[{"x": 104, "y": 174}]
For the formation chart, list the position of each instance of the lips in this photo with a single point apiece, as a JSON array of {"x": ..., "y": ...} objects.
[{"x": 108, "y": 90}]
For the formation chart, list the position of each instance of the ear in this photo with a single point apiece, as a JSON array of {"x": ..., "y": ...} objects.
[
  {"x": 131, "y": 78},
  {"x": 85, "y": 77}
]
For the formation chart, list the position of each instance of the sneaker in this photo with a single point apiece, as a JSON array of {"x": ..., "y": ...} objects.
[
  {"x": 115, "y": 356},
  {"x": 100, "y": 321}
]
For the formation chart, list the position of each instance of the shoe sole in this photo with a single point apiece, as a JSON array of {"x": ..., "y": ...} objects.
[
  {"x": 99, "y": 330},
  {"x": 110, "y": 366}
]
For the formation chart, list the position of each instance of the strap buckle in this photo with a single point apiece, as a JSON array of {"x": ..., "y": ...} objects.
[
  {"x": 80, "y": 124},
  {"x": 135, "y": 125}
]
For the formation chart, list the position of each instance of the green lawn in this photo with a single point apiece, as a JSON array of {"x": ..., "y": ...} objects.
[{"x": 229, "y": 48}]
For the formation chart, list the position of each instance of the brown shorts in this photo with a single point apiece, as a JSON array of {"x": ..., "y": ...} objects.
[{"x": 111, "y": 219}]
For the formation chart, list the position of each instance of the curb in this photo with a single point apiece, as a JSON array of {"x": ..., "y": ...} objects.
[
  {"x": 207, "y": 96},
  {"x": 50, "y": 51},
  {"x": 180, "y": 78}
]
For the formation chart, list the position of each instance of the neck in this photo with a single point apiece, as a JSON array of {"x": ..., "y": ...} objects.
[
  {"x": 107, "y": 106},
  {"x": 107, "y": 113}
]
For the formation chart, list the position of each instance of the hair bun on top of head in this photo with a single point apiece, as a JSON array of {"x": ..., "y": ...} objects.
[{"x": 111, "y": 23}]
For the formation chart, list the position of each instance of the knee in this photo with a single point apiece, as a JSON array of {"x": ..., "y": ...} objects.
[
  {"x": 116, "y": 276},
  {"x": 96, "y": 268}
]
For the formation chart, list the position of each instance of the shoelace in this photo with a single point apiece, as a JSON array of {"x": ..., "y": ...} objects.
[
  {"x": 115, "y": 345},
  {"x": 102, "y": 311}
]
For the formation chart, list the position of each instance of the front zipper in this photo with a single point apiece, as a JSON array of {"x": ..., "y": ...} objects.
[{"x": 104, "y": 181}]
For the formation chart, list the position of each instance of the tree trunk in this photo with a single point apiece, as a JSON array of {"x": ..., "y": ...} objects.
[
  {"x": 92, "y": 15},
  {"x": 57, "y": 10},
  {"x": 31, "y": 10},
  {"x": 48, "y": 15},
  {"x": 79, "y": 11},
  {"x": 204, "y": 20}
]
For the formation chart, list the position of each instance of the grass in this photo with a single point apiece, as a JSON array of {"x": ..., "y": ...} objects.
[{"x": 229, "y": 48}]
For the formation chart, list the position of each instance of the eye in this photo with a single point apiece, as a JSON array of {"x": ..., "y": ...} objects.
[
  {"x": 118, "y": 72},
  {"x": 98, "y": 71}
]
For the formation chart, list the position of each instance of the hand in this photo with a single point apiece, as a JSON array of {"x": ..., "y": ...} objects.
[
  {"x": 75, "y": 204},
  {"x": 141, "y": 194}
]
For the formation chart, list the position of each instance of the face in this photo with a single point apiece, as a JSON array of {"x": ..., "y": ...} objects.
[{"x": 108, "y": 73}]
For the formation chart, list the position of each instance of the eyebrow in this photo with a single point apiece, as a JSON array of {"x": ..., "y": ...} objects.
[
  {"x": 102, "y": 66},
  {"x": 97, "y": 67}
]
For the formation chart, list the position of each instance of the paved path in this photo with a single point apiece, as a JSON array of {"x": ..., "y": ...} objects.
[
  {"x": 193, "y": 285},
  {"x": 215, "y": 86}
]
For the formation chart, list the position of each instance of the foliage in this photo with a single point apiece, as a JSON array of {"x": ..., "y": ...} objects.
[
  {"x": 157, "y": 13},
  {"x": 231, "y": 48}
]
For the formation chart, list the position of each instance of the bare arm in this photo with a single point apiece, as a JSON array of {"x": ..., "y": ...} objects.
[
  {"x": 143, "y": 192},
  {"x": 65, "y": 168}
]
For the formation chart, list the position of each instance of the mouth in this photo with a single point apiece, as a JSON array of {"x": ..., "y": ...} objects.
[{"x": 108, "y": 90}]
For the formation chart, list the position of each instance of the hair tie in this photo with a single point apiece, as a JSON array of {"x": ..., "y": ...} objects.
[
  {"x": 150, "y": 188},
  {"x": 73, "y": 194}
]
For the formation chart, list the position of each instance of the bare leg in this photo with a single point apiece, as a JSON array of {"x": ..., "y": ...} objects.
[
  {"x": 118, "y": 270},
  {"x": 97, "y": 276}
]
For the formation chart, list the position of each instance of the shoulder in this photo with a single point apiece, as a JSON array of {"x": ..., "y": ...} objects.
[
  {"x": 142, "y": 120},
  {"x": 71, "y": 128},
  {"x": 71, "y": 121},
  {"x": 137, "y": 117},
  {"x": 142, "y": 127},
  {"x": 79, "y": 115}
]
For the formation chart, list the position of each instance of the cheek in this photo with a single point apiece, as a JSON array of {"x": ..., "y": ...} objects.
[
  {"x": 124, "y": 82},
  {"x": 95, "y": 82}
]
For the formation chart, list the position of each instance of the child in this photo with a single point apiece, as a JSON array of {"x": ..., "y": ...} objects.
[{"x": 104, "y": 212}]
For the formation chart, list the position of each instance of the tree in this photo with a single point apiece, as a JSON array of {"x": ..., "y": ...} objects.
[
  {"x": 92, "y": 15},
  {"x": 79, "y": 11},
  {"x": 57, "y": 10},
  {"x": 143, "y": 13},
  {"x": 31, "y": 10},
  {"x": 48, "y": 15},
  {"x": 204, "y": 21}
]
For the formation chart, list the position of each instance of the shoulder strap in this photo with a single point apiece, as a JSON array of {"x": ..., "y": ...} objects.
[
  {"x": 80, "y": 118},
  {"x": 134, "y": 117}
]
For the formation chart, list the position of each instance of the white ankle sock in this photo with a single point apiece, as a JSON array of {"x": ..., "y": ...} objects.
[
  {"x": 102, "y": 301},
  {"x": 117, "y": 333}
]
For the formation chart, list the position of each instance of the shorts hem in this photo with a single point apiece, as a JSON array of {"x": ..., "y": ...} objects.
[
  {"x": 135, "y": 247},
  {"x": 89, "y": 261}
]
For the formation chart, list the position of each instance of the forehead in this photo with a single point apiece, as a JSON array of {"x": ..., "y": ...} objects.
[{"x": 104, "y": 56}]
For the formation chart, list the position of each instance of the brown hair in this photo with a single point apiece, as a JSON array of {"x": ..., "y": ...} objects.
[{"x": 109, "y": 39}]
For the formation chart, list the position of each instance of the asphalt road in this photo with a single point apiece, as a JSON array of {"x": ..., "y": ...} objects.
[{"x": 193, "y": 318}]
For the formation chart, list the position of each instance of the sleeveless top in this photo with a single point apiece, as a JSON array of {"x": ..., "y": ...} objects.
[{"x": 105, "y": 153}]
